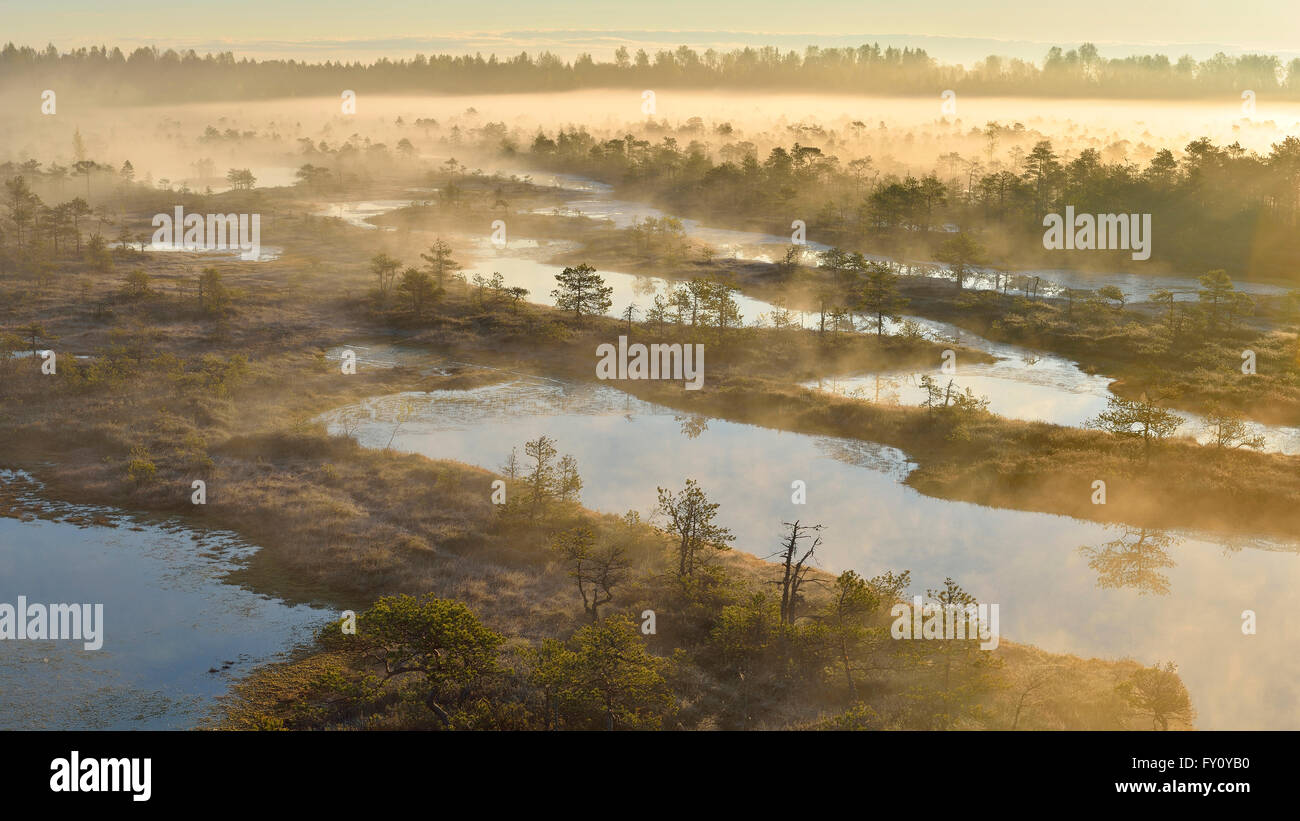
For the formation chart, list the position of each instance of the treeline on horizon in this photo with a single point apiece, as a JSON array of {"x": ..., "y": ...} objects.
[{"x": 168, "y": 75}]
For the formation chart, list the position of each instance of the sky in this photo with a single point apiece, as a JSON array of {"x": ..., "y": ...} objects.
[{"x": 953, "y": 30}]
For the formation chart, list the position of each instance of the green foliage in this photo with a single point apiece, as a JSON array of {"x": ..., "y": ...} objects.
[
  {"x": 209, "y": 375},
  {"x": 960, "y": 673},
  {"x": 582, "y": 291},
  {"x": 1140, "y": 419},
  {"x": 97, "y": 254},
  {"x": 691, "y": 524},
  {"x": 140, "y": 468},
  {"x": 214, "y": 297},
  {"x": 439, "y": 643},
  {"x": 385, "y": 269},
  {"x": 961, "y": 253},
  {"x": 1216, "y": 294},
  {"x": 439, "y": 262},
  {"x": 851, "y": 618},
  {"x": 951, "y": 405},
  {"x": 419, "y": 289},
  {"x": 1158, "y": 692},
  {"x": 879, "y": 296},
  {"x": 136, "y": 285},
  {"x": 603, "y": 679},
  {"x": 858, "y": 717}
]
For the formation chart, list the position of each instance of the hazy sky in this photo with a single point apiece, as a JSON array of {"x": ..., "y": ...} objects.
[{"x": 341, "y": 28}]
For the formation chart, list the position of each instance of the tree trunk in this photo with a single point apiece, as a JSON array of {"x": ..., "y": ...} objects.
[{"x": 848, "y": 671}]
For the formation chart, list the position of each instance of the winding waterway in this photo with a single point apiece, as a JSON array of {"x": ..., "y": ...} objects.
[
  {"x": 1062, "y": 584},
  {"x": 1022, "y": 384}
]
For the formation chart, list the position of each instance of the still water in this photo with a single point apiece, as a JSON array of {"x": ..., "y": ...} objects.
[
  {"x": 1062, "y": 584},
  {"x": 175, "y": 636}
]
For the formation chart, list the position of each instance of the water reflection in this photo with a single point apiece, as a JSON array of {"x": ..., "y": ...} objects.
[
  {"x": 1022, "y": 384},
  {"x": 175, "y": 634},
  {"x": 1038, "y": 389},
  {"x": 1029, "y": 563},
  {"x": 359, "y": 213},
  {"x": 693, "y": 426},
  {"x": 1034, "y": 386},
  {"x": 1134, "y": 560}
]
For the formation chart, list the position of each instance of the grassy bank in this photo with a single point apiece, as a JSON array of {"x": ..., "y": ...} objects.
[{"x": 225, "y": 390}]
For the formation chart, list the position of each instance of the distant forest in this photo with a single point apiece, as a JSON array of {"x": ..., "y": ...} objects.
[
  {"x": 1215, "y": 206},
  {"x": 148, "y": 74}
]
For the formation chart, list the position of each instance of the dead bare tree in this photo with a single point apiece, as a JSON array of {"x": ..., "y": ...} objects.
[{"x": 795, "y": 567}]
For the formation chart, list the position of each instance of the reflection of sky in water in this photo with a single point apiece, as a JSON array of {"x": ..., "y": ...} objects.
[
  {"x": 1015, "y": 399},
  {"x": 1035, "y": 391},
  {"x": 168, "y": 619},
  {"x": 567, "y": 182},
  {"x": 728, "y": 243},
  {"x": 1028, "y": 563},
  {"x": 1022, "y": 384},
  {"x": 356, "y": 213},
  {"x": 1053, "y": 282},
  {"x": 539, "y": 279},
  {"x": 265, "y": 253}
]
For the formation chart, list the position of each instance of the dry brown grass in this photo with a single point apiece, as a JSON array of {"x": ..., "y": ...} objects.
[{"x": 341, "y": 525}]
